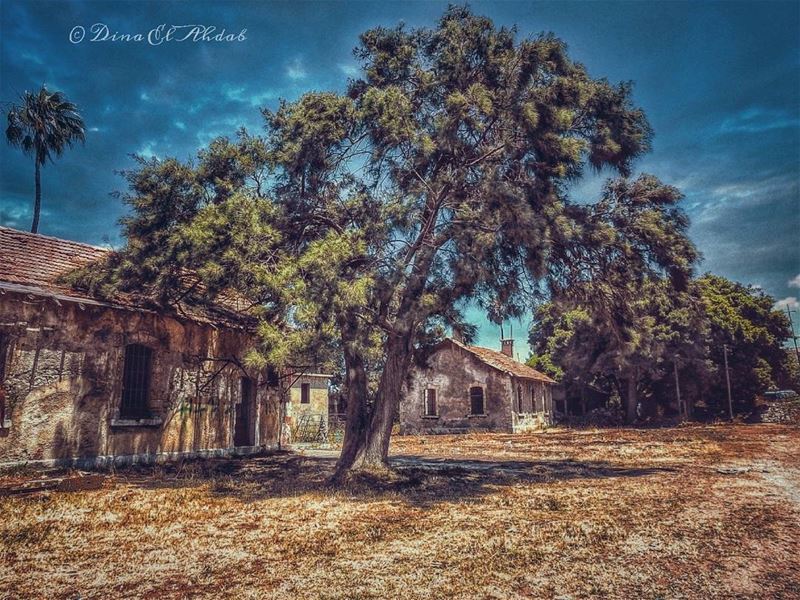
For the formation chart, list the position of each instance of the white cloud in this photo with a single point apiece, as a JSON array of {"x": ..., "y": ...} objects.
[
  {"x": 742, "y": 194},
  {"x": 214, "y": 128},
  {"x": 795, "y": 281},
  {"x": 788, "y": 302},
  {"x": 756, "y": 120},
  {"x": 234, "y": 93},
  {"x": 180, "y": 125},
  {"x": 349, "y": 70},
  {"x": 295, "y": 70},
  {"x": 34, "y": 58},
  {"x": 264, "y": 97},
  {"x": 246, "y": 95},
  {"x": 146, "y": 151},
  {"x": 16, "y": 212}
]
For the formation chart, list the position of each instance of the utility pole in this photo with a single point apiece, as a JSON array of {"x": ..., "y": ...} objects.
[
  {"x": 794, "y": 337},
  {"x": 728, "y": 380},
  {"x": 681, "y": 408}
]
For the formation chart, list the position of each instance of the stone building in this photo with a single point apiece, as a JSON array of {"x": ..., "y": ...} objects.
[
  {"x": 89, "y": 381},
  {"x": 468, "y": 388},
  {"x": 306, "y": 413}
]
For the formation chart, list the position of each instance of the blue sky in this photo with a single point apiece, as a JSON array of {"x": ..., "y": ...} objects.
[{"x": 720, "y": 83}]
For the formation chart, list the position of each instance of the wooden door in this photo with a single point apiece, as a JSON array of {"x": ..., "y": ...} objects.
[{"x": 243, "y": 430}]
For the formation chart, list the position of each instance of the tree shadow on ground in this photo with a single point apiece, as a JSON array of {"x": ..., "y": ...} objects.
[{"x": 419, "y": 481}]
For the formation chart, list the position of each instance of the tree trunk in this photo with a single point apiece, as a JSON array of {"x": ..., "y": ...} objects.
[
  {"x": 371, "y": 440},
  {"x": 366, "y": 445},
  {"x": 355, "y": 425},
  {"x": 37, "y": 205},
  {"x": 631, "y": 400},
  {"x": 649, "y": 406},
  {"x": 372, "y": 445}
]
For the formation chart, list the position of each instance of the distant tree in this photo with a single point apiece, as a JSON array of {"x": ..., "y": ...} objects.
[
  {"x": 791, "y": 378},
  {"x": 637, "y": 349},
  {"x": 629, "y": 348},
  {"x": 43, "y": 125},
  {"x": 745, "y": 319}
]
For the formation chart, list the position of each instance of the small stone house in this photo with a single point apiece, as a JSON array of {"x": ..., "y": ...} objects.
[
  {"x": 469, "y": 388},
  {"x": 88, "y": 381},
  {"x": 306, "y": 417}
]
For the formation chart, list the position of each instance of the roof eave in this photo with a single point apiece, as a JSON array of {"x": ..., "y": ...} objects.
[
  {"x": 80, "y": 300},
  {"x": 543, "y": 379}
]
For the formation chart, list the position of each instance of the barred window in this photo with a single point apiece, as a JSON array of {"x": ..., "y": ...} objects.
[
  {"x": 476, "y": 401},
  {"x": 273, "y": 377},
  {"x": 136, "y": 381},
  {"x": 430, "y": 402}
]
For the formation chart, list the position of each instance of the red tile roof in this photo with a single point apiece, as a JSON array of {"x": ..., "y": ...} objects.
[
  {"x": 34, "y": 259},
  {"x": 504, "y": 363},
  {"x": 32, "y": 263}
]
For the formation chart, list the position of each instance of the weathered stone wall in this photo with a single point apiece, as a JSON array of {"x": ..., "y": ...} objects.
[
  {"x": 452, "y": 371},
  {"x": 533, "y": 406},
  {"x": 317, "y": 407},
  {"x": 63, "y": 378}
]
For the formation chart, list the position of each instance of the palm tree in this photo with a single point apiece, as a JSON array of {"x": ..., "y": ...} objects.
[{"x": 42, "y": 126}]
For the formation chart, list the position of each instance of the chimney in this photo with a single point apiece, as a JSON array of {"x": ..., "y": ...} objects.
[{"x": 507, "y": 347}]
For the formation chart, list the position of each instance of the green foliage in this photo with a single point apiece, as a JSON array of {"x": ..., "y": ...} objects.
[
  {"x": 584, "y": 341},
  {"x": 791, "y": 377},
  {"x": 389, "y": 114},
  {"x": 557, "y": 338},
  {"x": 309, "y": 135},
  {"x": 44, "y": 124},
  {"x": 745, "y": 319},
  {"x": 445, "y": 163},
  {"x": 205, "y": 234}
]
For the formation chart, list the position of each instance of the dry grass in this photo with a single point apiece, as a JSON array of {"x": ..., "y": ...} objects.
[{"x": 692, "y": 512}]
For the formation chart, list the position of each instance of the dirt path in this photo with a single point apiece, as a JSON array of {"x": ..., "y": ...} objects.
[{"x": 787, "y": 480}]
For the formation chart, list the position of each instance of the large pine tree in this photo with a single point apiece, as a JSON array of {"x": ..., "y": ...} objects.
[
  {"x": 438, "y": 179},
  {"x": 444, "y": 168}
]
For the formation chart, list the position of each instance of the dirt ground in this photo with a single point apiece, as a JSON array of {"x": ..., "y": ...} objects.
[{"x": 689, "y": 512}]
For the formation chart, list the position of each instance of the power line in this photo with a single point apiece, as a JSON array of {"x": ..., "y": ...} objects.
[
  {"x": 728, "y": 380},
  {"x": 794, "y": 337}
]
